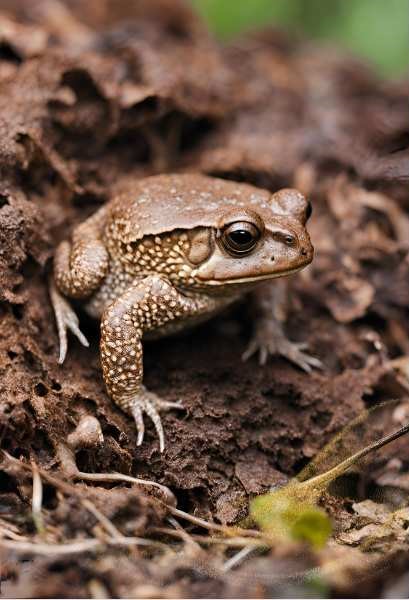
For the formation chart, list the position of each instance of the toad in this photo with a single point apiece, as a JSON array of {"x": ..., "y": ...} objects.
[{"x": 168, "y": 252}]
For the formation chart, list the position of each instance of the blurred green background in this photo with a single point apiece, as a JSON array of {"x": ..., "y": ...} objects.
[{"x": 375, "y": 29}]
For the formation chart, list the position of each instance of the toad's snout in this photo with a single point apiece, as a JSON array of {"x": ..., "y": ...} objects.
[{"x": 306, "y": 254}]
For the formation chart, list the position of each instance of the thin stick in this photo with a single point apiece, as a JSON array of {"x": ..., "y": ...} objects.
[
  {"x": 235, "y": 560},
  {"x": 213, "y": 526},
  {"x": 205, "y": 539},
  {"x": 183, "y": 533},
  {"x": 77, "y": 546},
  {"x": 68, "y": 489},
  {"x": 196, "y": 520},
  {"x": 53, "y": 549},
  {"x": 105, "y": 522},
  {"x": 137, "y": 541},
  {"x": 325, "y": 478},
  {"x": 37, "y": 499},
  {"x": 119, "y": 477},
  {"x": 4, "y": 531}
]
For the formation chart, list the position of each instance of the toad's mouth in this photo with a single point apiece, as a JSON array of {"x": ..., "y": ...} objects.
[{"x": 253, "y": 279}]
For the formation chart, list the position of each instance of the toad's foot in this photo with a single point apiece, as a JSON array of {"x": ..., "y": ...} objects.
[
  {"x": 265, "y": 345},
  {"x": 151, "y": 404},
  {"x": 66, "y": 319}
]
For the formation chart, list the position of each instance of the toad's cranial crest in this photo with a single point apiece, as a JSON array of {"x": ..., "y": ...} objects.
[{"x": 170, "y": 251}]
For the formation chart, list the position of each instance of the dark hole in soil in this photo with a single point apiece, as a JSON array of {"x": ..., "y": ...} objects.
[
  {"x": 56, "y": 386},
  {"x": 8, "y": 54},
  {"x": 81, "y": 83},
  {"x": 149, "y": 105},
  {"x": 321, "y": 419},
  {"x": 40, "y": 389},
  {"x": 57, "y": 567},
  {"x": 131, "y": 146},
  {"x": 18, "y": 311},
  {"x": 7, "y": 483},
  {"x": 300, "y": 464},
  {"x": 3, "y": 200},
  {"x": 82, "y": 459},
  {"x": 113, "y": 431},
  {"x": 193, "y": 132},
  {"x": 49, "y": 497},
  {"x": 88, "y": 202},
  {"x": 346, "y": 486}
]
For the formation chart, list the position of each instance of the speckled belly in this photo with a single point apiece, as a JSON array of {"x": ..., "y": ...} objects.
[
  {"x": 114, "y": 285},
  {"x": 174, "y": 327}
]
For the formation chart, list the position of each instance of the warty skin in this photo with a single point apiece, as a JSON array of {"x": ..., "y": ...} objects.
[{"x": 167, "y": 252}]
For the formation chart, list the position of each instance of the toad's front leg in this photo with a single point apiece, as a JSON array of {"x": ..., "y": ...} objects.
[
  {"x": 269, "y": 338},
  {"x": 147, "y": 306}
]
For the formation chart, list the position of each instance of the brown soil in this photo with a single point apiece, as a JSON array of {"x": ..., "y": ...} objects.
[{"x": 93, "y": 91}]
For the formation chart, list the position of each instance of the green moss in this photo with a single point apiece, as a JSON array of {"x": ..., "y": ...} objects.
[
  {"x": 283, "y": 516},
  {"x": 374, "y": 29}
]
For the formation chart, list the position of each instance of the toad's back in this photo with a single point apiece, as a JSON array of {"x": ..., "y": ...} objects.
[{"x": 163, "y": 203}]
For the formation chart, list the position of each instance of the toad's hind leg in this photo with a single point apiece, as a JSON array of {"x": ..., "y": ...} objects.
[
  {"x": 150, "y": 304},
  {"x": 269, "y": 302},
  {"x": 66, "y": 318},
  {"x": 79, "y": 267}
]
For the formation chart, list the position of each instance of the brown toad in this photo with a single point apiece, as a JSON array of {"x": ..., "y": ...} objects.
[{"x": 170, "y": 251}]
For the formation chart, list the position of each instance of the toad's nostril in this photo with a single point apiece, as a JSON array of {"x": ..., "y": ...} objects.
[
  {"x": 272, "y": 259},
  {"x": 303, "y": 251}
]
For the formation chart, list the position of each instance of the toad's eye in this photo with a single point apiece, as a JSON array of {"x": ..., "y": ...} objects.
[{"x": 240, "y": 238}]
